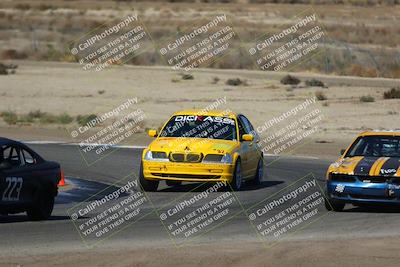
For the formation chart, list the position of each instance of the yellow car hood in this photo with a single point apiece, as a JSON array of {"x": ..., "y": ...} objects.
[
  {"x": 198, "y": 145},
  {"x": 374, "y": 166}
]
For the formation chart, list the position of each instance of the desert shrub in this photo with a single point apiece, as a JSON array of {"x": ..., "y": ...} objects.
[
  {"x": 64, "y": 118},
  {"x": 215, "y": 80},
  {"x": 22, "y": 6},
  {"x": 48, "y": 119},
  {"x": 85, "y": 119},
  {"x": 288, "y": 79},
  {"x": 3, "y": 69},
  {"x": 36, "y": 114},
  {"x": 367, "y": 98},
  {"x": 321, "y": 96},
  {"x": 187, "y": 76},
  {"x": 236, "y": 82},
  {"x": 13, "y": 54},
  {"x": 360, "y": 71},
  {"x": 315, "y": 82},
  {"x": 393, "y": 93},
  {"x": 7, "y": 69},
  {"x": 45, "y": 118},
  {"x": 9, "y": 117},
  {"x": 43, "y": 7}
]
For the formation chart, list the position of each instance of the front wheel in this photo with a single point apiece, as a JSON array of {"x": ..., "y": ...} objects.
[
  {"x": 147, "y": 185},
  {"x": 258, "y": 176},
  {"x": 42, "y": 208},
  {"x": 236, "y": 182},
  {"x": 334, "y": 205}
]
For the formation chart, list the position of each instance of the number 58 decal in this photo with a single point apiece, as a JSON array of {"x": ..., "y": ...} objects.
[{"x": 13, "y": 189}]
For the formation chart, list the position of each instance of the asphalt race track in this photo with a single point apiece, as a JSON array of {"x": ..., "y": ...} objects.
[{"x": 60, "y": 232}]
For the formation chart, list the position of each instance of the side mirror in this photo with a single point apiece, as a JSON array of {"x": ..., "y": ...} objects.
[
  {"x": 342, "y": 151},
  {"x": 247, "y": 137},
  {"x": 152, "y": 133}
]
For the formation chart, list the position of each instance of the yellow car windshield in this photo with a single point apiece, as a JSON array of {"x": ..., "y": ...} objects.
[{"x": 196, "y": 126}]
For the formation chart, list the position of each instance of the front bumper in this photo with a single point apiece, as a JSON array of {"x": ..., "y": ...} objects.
[
  {"x": 187, "y": 172},
  {"x": 359, "y": 192}
]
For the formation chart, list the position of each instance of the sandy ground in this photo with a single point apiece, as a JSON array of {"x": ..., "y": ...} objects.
[
  {"x": 355, "y": 252},
  {"x": 65, "y": 88}
]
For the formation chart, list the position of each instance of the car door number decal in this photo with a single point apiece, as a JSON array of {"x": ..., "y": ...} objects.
[{"x": 13, "y": 189}]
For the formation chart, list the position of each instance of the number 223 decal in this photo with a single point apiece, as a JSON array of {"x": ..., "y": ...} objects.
[{"x": 13, "y": 189}]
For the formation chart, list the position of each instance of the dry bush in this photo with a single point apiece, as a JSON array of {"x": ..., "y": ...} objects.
[
  {"x": 7, "y": 68},
  {"x": 3, "y": 69},
  {"x": 367, "y": 98},
  {"x": 360, "y": 71},
  {"x": 13, "y": 54},
  {"x": 22, "y": 6},
  {"x": 393, "y": 93},
  {"x": 236, "y": 82},
  {"x": 288, "y": 79},
  {"x": 320, "y": 96},
  {"x": 315, "y": 82}
]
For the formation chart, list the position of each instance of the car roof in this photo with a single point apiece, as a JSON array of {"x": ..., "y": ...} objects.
[
  {"x": 214, "y": 112},
  {"x": 381, "y": 132},
  {"x": 6, "y": 141}
]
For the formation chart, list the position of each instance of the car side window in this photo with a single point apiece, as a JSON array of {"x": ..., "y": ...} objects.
[
  {"x": 245, "y": 124},
  {"x": 28, "y": 157},
  {"x": 252, "y": 130},
  {"x": 242, "y": 128},
  {"x": 12, "y": 154},
  {"x": 7, "y": 152}
]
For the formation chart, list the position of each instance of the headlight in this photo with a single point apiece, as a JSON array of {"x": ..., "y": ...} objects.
[
  {"x": 227, "y": 159},
  {"x": 156, "y": 156},
  {"x": 218, "y": 159}
]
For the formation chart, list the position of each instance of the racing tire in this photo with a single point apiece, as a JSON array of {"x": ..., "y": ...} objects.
[
  {"x": 173, "y": 183},
  {"x": 42, "y": 208},
  {"x": 334, "y": 205},
  {"x": 236, "y": 183},
  {"x": 258, "y": 176},
  {"x": 147, "y": 185}
]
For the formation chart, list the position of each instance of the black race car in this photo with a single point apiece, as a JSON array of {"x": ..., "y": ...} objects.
[{"x": 27, "y": 181}]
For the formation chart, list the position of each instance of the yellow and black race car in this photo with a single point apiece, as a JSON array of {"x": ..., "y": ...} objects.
[
  {"x": 367, "y": 172},
  {"x": 197, "y": 146}
]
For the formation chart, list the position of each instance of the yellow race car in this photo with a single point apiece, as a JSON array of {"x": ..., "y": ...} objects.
[{"x": 202, "y": 146}]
